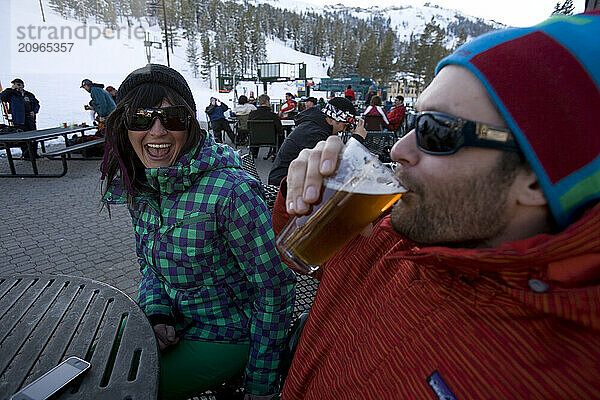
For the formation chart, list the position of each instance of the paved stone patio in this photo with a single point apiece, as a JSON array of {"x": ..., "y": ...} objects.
[{"x": 56, "y": 225}]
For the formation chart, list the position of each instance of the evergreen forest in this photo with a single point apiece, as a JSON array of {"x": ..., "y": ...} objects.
[{"x": 233, "y": 35}]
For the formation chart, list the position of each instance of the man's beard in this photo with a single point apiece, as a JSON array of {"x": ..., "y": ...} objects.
[{"x": 460, "y": 213}]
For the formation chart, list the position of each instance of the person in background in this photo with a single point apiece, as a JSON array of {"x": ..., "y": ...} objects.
[
  {"x": 243, "y": 107},
  {"x": 93, "y": 116},
  {"x": 23, "y": 107},
  {"x": 313, "y": 125},
  {"x": 396, "y": 115},
  {"x": 213, "y": 286},
  {"x": 310, "y": 102},
  {"x": 289, "y": 106},
  {"x": 264, "y": 112},
  {"x": 483, "y": 280},
  {"x": 370, "y": 93},
  {"x": 216, "y": 114},
  {"x": 102, "y": 102},
  {"x": 387, "y": 106},
  {"x": 252, "y": 100},
  {"x": 321, "y": 102},
  {"x": 113, "y": 93},
  {"x": 375, "y": 108},
  {"x": 242, "y": 110},
  {"x": 350, "y": 94}
]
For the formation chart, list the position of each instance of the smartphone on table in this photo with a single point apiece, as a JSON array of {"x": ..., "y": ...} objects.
[{"x": 53, "y": 380}]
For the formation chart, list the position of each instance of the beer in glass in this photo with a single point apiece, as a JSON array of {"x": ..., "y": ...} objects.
[{"x": 359, "y": 191}]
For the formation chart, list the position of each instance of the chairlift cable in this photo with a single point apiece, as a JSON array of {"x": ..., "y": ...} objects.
[{"x": 42, "y": 8}]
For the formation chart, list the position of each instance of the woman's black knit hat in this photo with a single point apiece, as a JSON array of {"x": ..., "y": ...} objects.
[{"x": 157, "y": 73}]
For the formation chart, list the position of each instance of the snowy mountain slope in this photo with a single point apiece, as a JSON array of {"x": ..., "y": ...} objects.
[{"x": 404, "y": 17}]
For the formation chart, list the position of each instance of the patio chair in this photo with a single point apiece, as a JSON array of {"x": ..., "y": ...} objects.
[
  {"x": 380, "y": 143},
  {"x": 219, "y": 135},
  {"x": 249, "y": 166},
  {"x": 407, "y": 124},
  {"x": 374, "y": 122},
  {"x": 270, "y": 190},
  {"x": 241, "y": 127},
  {"x": 262, "y": 133}
]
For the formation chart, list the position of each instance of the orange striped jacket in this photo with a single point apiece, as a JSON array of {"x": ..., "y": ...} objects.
[{"x": 394, "y": 321}]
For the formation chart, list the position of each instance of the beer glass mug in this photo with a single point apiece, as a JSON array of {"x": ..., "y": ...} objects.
[{"x": 358, "y": 192}]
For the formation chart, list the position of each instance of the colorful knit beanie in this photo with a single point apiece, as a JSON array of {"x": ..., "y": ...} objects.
[
  {"x": 342, "y": 110},
  {"x": 545, "y": 81}
]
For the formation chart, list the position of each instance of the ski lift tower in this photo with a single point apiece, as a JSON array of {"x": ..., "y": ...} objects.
[
  {"x": 148, "y": 44},
  {"x": 154, "y": 6},
  {"x": 282, "y": 72}
]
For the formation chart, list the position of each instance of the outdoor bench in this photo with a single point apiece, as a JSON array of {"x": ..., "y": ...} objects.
[
  {"x": 76, "y": 147},
  {"x": 68, "y": 150}
]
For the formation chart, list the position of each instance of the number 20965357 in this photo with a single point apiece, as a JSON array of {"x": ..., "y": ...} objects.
[{"x": 26, "y": 47}]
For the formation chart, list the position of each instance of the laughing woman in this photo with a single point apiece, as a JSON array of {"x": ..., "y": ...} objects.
[{"x": 213, "y": 285}]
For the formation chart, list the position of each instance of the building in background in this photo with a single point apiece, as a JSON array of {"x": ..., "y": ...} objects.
[{"x": 408, "y": 86}]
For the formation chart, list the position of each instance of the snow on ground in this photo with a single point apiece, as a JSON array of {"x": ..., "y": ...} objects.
[{"x": 104, "y": 56}]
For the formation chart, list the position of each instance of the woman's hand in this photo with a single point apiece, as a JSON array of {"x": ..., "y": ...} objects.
[
  {"x": 305, "y": 174},
  {"x": 165, "y": 334}
]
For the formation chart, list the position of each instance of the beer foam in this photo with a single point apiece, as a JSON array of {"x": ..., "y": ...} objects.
[
  {"x": 359, "y": 171},
  {"x": 364, "y": 186}
]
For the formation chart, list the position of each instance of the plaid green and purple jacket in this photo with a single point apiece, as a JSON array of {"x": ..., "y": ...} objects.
[{"x": 208, "y": 260}]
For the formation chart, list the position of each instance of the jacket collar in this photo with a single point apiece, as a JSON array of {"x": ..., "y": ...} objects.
[
  {"x": 557, "y": 275},
  {"x": 570, "y": 258}
]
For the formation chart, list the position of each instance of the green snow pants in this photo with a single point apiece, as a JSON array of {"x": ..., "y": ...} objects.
[{"x": 190, "y": 367}]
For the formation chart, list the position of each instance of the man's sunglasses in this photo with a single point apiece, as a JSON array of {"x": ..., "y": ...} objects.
[
  {"x": 173, "y": 118},
  {"x": 443, "y": 134}
]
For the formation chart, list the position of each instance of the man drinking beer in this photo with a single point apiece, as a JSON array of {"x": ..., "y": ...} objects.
[{"x": 484, "y": 279}]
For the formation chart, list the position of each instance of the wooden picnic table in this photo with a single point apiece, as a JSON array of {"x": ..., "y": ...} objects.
[
  {"x": 31, "y": 138},
  {"x": 45, "y": 319}
]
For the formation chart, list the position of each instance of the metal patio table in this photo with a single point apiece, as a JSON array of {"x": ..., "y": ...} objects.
[{"x": 45, "y": 319}]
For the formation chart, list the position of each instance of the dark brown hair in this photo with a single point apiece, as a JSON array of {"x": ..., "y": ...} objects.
[{"x": 376, "y": 101}]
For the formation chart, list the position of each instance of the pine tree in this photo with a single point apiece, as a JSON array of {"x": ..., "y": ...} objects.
[
  {"x": 429, "y": 52},
  {"x": 258, "y": 52},
  {"x": 336, "y": 70},
  {"x": 462, "y": 38},
  {"x": 566, "y": 8},
  {"x": 386, "y": 57},
  {"x": 348, "y": 57},
  {"x": 192, "y": 55},
  {"x": 367, "y": 57},
  {"x": 206, "y": 66}
]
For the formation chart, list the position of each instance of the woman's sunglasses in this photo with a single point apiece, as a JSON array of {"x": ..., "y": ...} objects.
[
  {"x": 443, "y": 134},
  {"x": 173, "y": 118}
]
